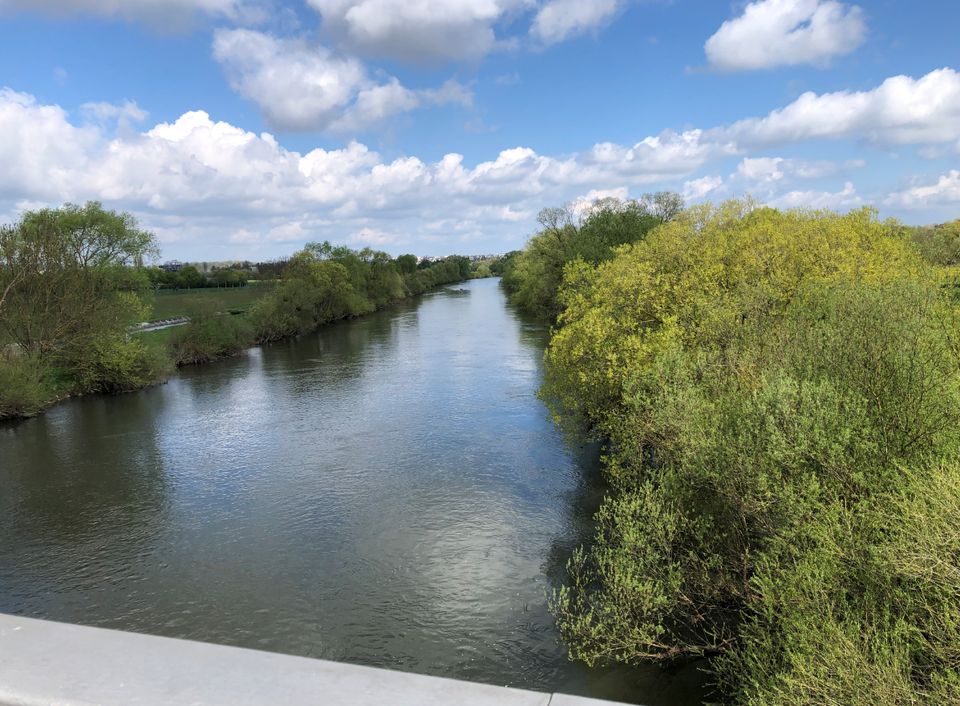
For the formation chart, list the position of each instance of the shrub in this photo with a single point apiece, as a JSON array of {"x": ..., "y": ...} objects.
[
  {"x": 782, "y": 396},
  {"x": 204, "y": 340},
  {"x": 23, "y": 389},
  {"x": 115, "y": 364}
]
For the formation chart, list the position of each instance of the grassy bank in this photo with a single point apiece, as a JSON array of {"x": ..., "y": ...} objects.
[{"x": 170, "y": 303}]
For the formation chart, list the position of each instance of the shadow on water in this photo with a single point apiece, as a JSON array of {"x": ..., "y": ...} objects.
[{"x": 387, "y": 491}]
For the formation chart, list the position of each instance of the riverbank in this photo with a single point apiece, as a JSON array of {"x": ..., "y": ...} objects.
[{"x": 206, "y": 339}]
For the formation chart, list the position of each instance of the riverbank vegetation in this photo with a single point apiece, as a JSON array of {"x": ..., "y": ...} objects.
[
  {"x": 532, "y": 277},
  {"x": 780, "y": 393},
  {"x": 73, "y": 284}
]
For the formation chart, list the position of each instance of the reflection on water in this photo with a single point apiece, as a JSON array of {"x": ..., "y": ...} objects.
[{"x": 388, "y": 492}]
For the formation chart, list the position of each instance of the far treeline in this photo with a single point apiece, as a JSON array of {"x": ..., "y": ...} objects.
[
  {"x": 73, "y": 285},
  {"x": 779, "y": 392}
]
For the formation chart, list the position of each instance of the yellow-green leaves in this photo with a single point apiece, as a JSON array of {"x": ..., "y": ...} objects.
[{"x": 777, "y": 388}]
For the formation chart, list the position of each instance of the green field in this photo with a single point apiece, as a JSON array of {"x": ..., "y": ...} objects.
[{"x": 170, "y": 303}]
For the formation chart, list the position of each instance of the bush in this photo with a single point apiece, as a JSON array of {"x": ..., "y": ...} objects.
[
  {"x": 23, "y": 389},
  {"x": 205, "y": 340},
  {"x": 782, "y": 396},
  {"x": 118, "y": 363}
]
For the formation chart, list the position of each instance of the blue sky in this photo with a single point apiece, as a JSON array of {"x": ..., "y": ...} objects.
[{"x": 245, "y": 128}]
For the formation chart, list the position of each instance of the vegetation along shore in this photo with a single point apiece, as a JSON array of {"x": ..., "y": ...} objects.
[
  {"x": 779, "y": 392},
  {"x": 73, "y": 283}
]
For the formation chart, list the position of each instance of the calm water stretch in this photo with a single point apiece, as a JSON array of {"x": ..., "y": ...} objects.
[{"x": 388, "y": 491}]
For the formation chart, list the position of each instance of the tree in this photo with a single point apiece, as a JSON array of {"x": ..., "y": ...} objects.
[
  {"x": 407, "y": 264},
  {"x": 189, "y": 277},
  {"x": 65, "y": 274},
  {"x": 532, "y": 278}
]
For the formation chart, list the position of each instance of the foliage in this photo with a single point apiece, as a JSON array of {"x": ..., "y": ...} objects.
[
  {"x": 189, "y": 277},
  {"x": 23, "y": 389},
  {"x": 325, "y": 283},
  {"x": 207, "y": 339},
  {"x": 782, "y": 398},
  {"x": 72, "y": 283},
  {"x": 532, "y": 278},
  {"x": 939, "y": 244},
  {"x": 64, "y": 275},
  {"x": 116, "y": 363},
  {"x": 434, "y": 274}
]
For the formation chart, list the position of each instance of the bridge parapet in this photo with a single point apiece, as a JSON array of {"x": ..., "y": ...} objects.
[{"x": 45, "y": 663}]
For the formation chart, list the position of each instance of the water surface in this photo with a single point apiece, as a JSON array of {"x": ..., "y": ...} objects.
[{"x": 387, "y": 491}]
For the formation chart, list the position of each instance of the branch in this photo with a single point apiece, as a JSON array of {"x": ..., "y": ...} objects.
[{"x": 8, "y": 288}]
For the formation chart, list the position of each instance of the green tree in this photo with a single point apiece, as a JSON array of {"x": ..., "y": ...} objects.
[
  {"x": 407, "y": 264},
  {"x": 72, "y": 283},
  {"x": 189, "y": 277},
  {"x": 66, "y": 275},
  {"x": 532, "y": 278}
]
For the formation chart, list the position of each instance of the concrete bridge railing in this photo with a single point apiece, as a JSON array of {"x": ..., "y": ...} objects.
[{"x": 44, "y": 663}]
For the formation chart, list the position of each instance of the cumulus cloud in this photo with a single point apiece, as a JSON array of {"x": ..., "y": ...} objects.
[
  {"x": 946, "y": 190},
  {"x": 168, "y": 14},
  {"x": 901, "y": 111},
  {"x": 767, "y": 170},
  {"x": 583, "y": 205},
  {"x": 786, "y": 33},
  {"x": 844, "y": 199},
  {"x": 193, "y": 171},
  {"x": 417, "y": 30},
  {"x": 557, "y": 20},
  {"x": 699, "y": 188},
  {"x": 304, "y": 87},
  {"x": 195, "y": 180}
]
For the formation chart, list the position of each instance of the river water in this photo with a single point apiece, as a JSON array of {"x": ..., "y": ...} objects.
[{"x": 388, "y": 491}]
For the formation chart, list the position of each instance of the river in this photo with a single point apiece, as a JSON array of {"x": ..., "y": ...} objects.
[{"x": 388, "y": 491}]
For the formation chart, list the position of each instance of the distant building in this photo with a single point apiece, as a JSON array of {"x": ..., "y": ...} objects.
[{"x": 172, "y": 266}]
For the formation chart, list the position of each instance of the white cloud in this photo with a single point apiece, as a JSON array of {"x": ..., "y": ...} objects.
[
  {"x": 844, "y": 199},
  {"x": 767, "y": 170},
  {"x": 945, "y": 191},
  {"x": 291, "y": 232},
  {"x": 901, "y": 111},
  {"x": 196, "y": 178},
  {"x": 557, "y": 20},
  {"x": 699, "y": 188},
  {"x": 374, "y": 105},
  {"x": 761, "y": 169},
  {"x": 197, "y": 182},
  {"x": 786, "y": 33},
  {"x": 374, "y": 237},
  {"x": 417, "y": 30},
  {"x": 168, "y": 14},
  {"x": 303, "y": 87},
  {"x": 298, "y": 87},
  {"x": 123, "y": 115},
  {"x": 583, "y": 205}
]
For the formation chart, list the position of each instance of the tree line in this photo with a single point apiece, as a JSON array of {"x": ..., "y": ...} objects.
[
  {"x": 73, "y": 281},
  {"x": 779, "y": 394}
]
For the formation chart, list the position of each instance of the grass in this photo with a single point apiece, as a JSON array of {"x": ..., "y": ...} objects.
[
  {"x": 170, "y": 303},
  {"x": 159, "y": 340}
]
